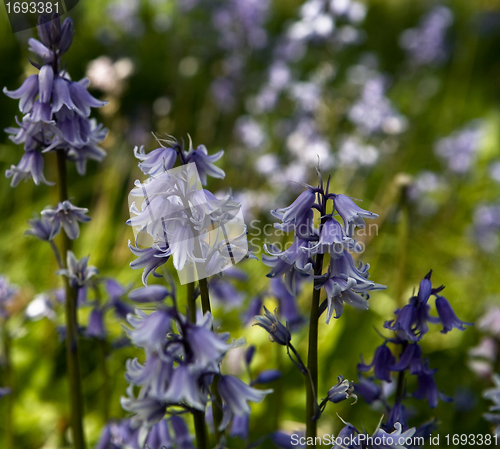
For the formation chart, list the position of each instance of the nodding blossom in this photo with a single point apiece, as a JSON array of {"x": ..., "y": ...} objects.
[
  {"x": 182, "y": 359},
  {"x": 345, "y": 282},
  {"x": 55, "y": 109},
  {"x": 173, "y": 216}
]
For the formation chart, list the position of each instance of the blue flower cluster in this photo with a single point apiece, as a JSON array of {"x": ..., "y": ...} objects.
[
  {"x": 55, "y": 109},
  {"x": 182, "y": 360},
  {"x": 345, "y": 282},
  {"x": 410, "y": 325}
]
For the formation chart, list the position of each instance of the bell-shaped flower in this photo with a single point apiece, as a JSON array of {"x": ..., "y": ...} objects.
[
  {"x": 96, "y": 324},
  {"x": 67, "y": 216},
  {"x": 82, "y": 99},
  {"x": 447, "y": 316},
  {"x": 298, "y": 209},
  {"x": 26, "y": 93},
  {"x": 351, "y": 213},
  {"x": 159, "y": 436},
  {"x": 154, "y": 376},
  {"x": 151, "y": 293},
  {"x": 147, "y": 410},
  {"x": 236, "y": 394},
  {"x": 205, "y": 163},
  {"x": 341, "y": 391},
  {"x": 383, "y": 361},
  {"x": 149, "y": 259},
  {"x": 30, "y": 166},
  {"x": 156, "y": 161},
  {"x": 184, "y": 388},
  {"x": 149, "y": 331},
  {"x": 277, "y": 332},
  {"x": 77, "y": 271}
]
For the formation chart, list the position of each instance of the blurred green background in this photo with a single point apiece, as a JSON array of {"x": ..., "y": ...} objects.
[{"x": 170, "y": 69}]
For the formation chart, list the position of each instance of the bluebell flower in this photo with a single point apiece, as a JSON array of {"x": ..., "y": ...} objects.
[
  {"x": 267, "y": 376},
  {"x": 77, "y": 271},
  {"x": 367, "y": 389},
  {"x": 351, "y": 213},
  {"x": 156, "y": 161},
  {"x": 397, "y": 415},
  {"x": 284, "y": 440},
  {"x": 288, "y": 307},
  {"x": 205, "y": 163},
  {"x": 150, "y": 259},
  {"x": 67, "y": 216},
  {"x": 151, "y": 293},
  {"x": 236, "y": 394},
  {"x": 277, "y": 332},
  {"x": 254, "y": 308},
  {"x": 239, "y": 427},
  {"x": 425, "y": 44},
  {"x": 147, "y": 411},
  {"x": 26, "y": 93},
  {"x": 149, "y": 331},
  {"x": 411, "y": 359},
  {"x": 159, "y": 436},
  {"x": 207, "y": 347},
  {"x": 184, "y": 388},
  {"x": 42, "y": 228},
  {"x": 183, "y": 439},
  {"x": 447, "y": 316},
  {"x": 30, "y": 166},
  {"x": 298, "y": 208},
  {"x": 154, "y": 376},
  {"x": 341, "y": 391},
  {"x": 95, "y": 327},
  {"x": 383, "y": 360},
  {"x": 55, "y": 109},
  {"x": 118, "y": 434},
  {"x": 427, "y": 389},
  {"x": 116, "y": 292}
]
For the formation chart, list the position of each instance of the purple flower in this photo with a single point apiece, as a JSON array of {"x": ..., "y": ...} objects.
[
  {"x": 367, "y": 389},
  {"x": 205, "y": 163},
  {"x": 236, "y": 394},
  {"x": 426, "y": 43},
  {"x": 156, "y": 161},
  {"x": 239, "y": 427},
  {"x": 267, "y": 376},
  {"x": 277, "y": 332},
  {"x": 7, "y": 293},
  {"x": 342, "y": 391},
  {"x": 184, "y": 388},
  {"x": 30, "y": 166},
  {"x": 207, "y": 347},
  {"x": 148, "y": 411},
  {"x": 351, "y": 213},
  {"x": 77, "y": 271},
  {"x": 152, "y": 293},
  {"x": 159, "y": 436},
  {"x": 183, "y": 439},
  {"x": 67, "y": 216},
  {"x": 447, "y": 316},
  {"x": 26, "y": 93},
  {"x": 42, "y": 228},
  {"x": 397, "y": 415},
  {"x": 383, "y": 360},
  {"x": 288, "y": 307},
  {"x": 96, "y": 324},
  {"x": 297, "y": 209},
  {"x": 154, "y": 376},
  {"x": 150, "y": 259},
  {"x": 149, "y": 331}
]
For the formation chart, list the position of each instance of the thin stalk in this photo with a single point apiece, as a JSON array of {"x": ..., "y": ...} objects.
[
  {"x": 312, "y": 357},
  {"x": 9, "y": 378},
  {"x": 75, "y": 391},
  {"x": 401, "y": 380},
  {"x": 198, "y": 416},
  {"x": 216, "y": 411}
]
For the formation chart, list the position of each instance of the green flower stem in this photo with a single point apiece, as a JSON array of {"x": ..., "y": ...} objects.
[
  {"x": 75, "y": 391},
  {"x": 9, "y": 382},
  {"x": 216, "y": 411},
  {"x": 312, "y": 357},
  {"x": 200, "y": 427}
]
